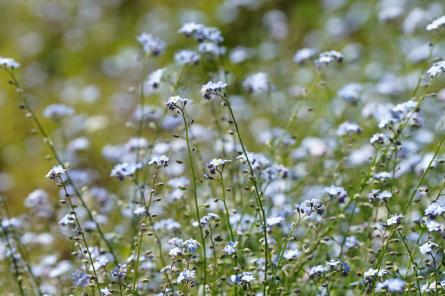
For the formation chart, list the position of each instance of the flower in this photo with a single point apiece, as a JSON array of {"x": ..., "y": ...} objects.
[
  {"x": 394, "y": 220},
  {"x": 58, "y": 111},
  {"x": 119, "y": 272},
  {"x": 257, "y": 83},
  {"x": 391, "y": 285},
  {"x": 337, "y": 192},
  {"x": 190, "y": 246},
  {"x": 211, "y": 89},
  {"x": 427, "y": 248},
  {"x": 304, "y": 54},
  {"x": 436, "y": 24},
  {"x": 175, "y": 102},
  {"x": 217, "y": 165},
  {"x": 151, "y": 44},
  {"x": 351, "y": 92},
  {"x": 188, "y": 276},
  {"x": 154, "y": 79},
  {"x": 201, "y": 33},
  {"x": 80, "y": 278},
  {"x": 160, "y": 161},
  {"x": 436, "y": 69},
  {"x": 56, "y": 171},
  {"x": 378, "y": 195},
  {"x": 230, "y": 248},
  {"x": 308, "y": 207},
  {"x": 434, "y": 210},
  {"x": 328, "y": 57},
  {"x": 348, "y": 128},
  {"x": 122, "y": 170},
  {"x": 242, "y": 278},
  {"x": 187, "y": 57},
  {"x": 8, "y": 63}
]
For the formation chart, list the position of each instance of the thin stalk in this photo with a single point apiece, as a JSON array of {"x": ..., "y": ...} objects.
[
  {"x": 257, "y": 192},
  {"x": 195, "y": 195}
]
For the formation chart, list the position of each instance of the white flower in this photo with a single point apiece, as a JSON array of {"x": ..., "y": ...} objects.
[
  {"x": 271, "y": 221},
  {"x": 348, "y": 128},
  {"x": 242, "y": 278},
  {"x": 68, "y": 219},
  {"x": 257, "y": 83},
  {"x": 378, "y": 195},
  {"x": 201, "y": 33},
  {"x": 434, "y": 210},
  {"x": 151, "y": 44},
  {"x": 391, "y": 285},
  {"x": 125, "y": 169},
  {"x": 176, "y": 102},
  {"x": 217, "y": 165},
  {"x": 328, "y": 57},
  {"x": 8, "y": 63},
  {"x": 58, "y": 111},
  {"x": 394, "y": 220},
  {"x": 186, "y": 57},
  {"x": 436, "y": 24},
  {"x": 190, "y": 246},
  {"x": 304, "y": 54},
  {"x": 350, "y": 92},
  {"x": 211, "y": 48},
  {"x": 436, "y": 69},
  {"x": 187, "y": 275},
  {"x": 427, "y": 248},
  {"x": 154, "y": 79},
  {"x": 159, "y": 161},
  {"x": 211, "y": 89},
  {"x": 230, "y": 248},
  {"x": 56, "y": 171},
  {"x": 337, "y": 192}
]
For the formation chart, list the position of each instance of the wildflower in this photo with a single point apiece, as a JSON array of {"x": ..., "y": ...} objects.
[
  {"x": 350, "y": 93},
  {"x": 230, "y": 248},
  {"x": 308, "y": 207},
  {"x": 80, "y": 278},
  {"x": 68, "y": 219},
  {"x": 176, "y": 102},
  {"x": 187, "y": 57},
  {"x": 119, "y": 272},
  {"x": 190, "y": 246},
  {"x": 8, "y": 63},
  {"x": 318, "y": 270},
  {"x": 271, "y": 221},
  {"x": 211, "y": 49},
  {"x": 151, "y": 44},
  {"x": 427, "y": 248},
  {"x": 135, "y": 144},
  {"x": 337, "y": 192},
  {"x": 167, "y": 224},
  {"x": 436, "y": 69},
  {"x": 382, "y": 176},
  {"x": 154, "y": 79},
  {"x": 257, "y": 83},
  {"x": 328, "y": 57},
  {"x": 242, "y": 278},
  {"x": 392, "y": 285},
  {"x": 379, "y": 138},
  {"x": 304, "y": 54},
  {"x": 348, "y": 128},
  {"x": 394, "y": 220},
  {"x": 125, "y": 169},
  {"x": 436, "y": 24},
  {"x": 211, "y": 89},
  {"x": 56, "y": 171},
  {"x": 159, "y": 161},
  {"x": 188, "y": 276},
  {"x": 434, "y": 210},
  {"x": 58, "y": 111},
  {"x": 207, "y": 219},
  {"x": 201, "y": 33},
  {"x": 434, "y": 226},
  {"x": 217, "y": 165},
  {"x": 378, "y": 195}
]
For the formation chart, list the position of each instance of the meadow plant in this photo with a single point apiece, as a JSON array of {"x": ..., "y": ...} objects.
[{"x": 227, "y": 165}]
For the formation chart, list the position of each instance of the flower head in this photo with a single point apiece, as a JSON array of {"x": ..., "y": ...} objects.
[
  {"x": 56, "y": 171},
  {"x": 151, "y": 44},
  {"x": 211, "y": 89},
  {"x": 8, "y": 63}
]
